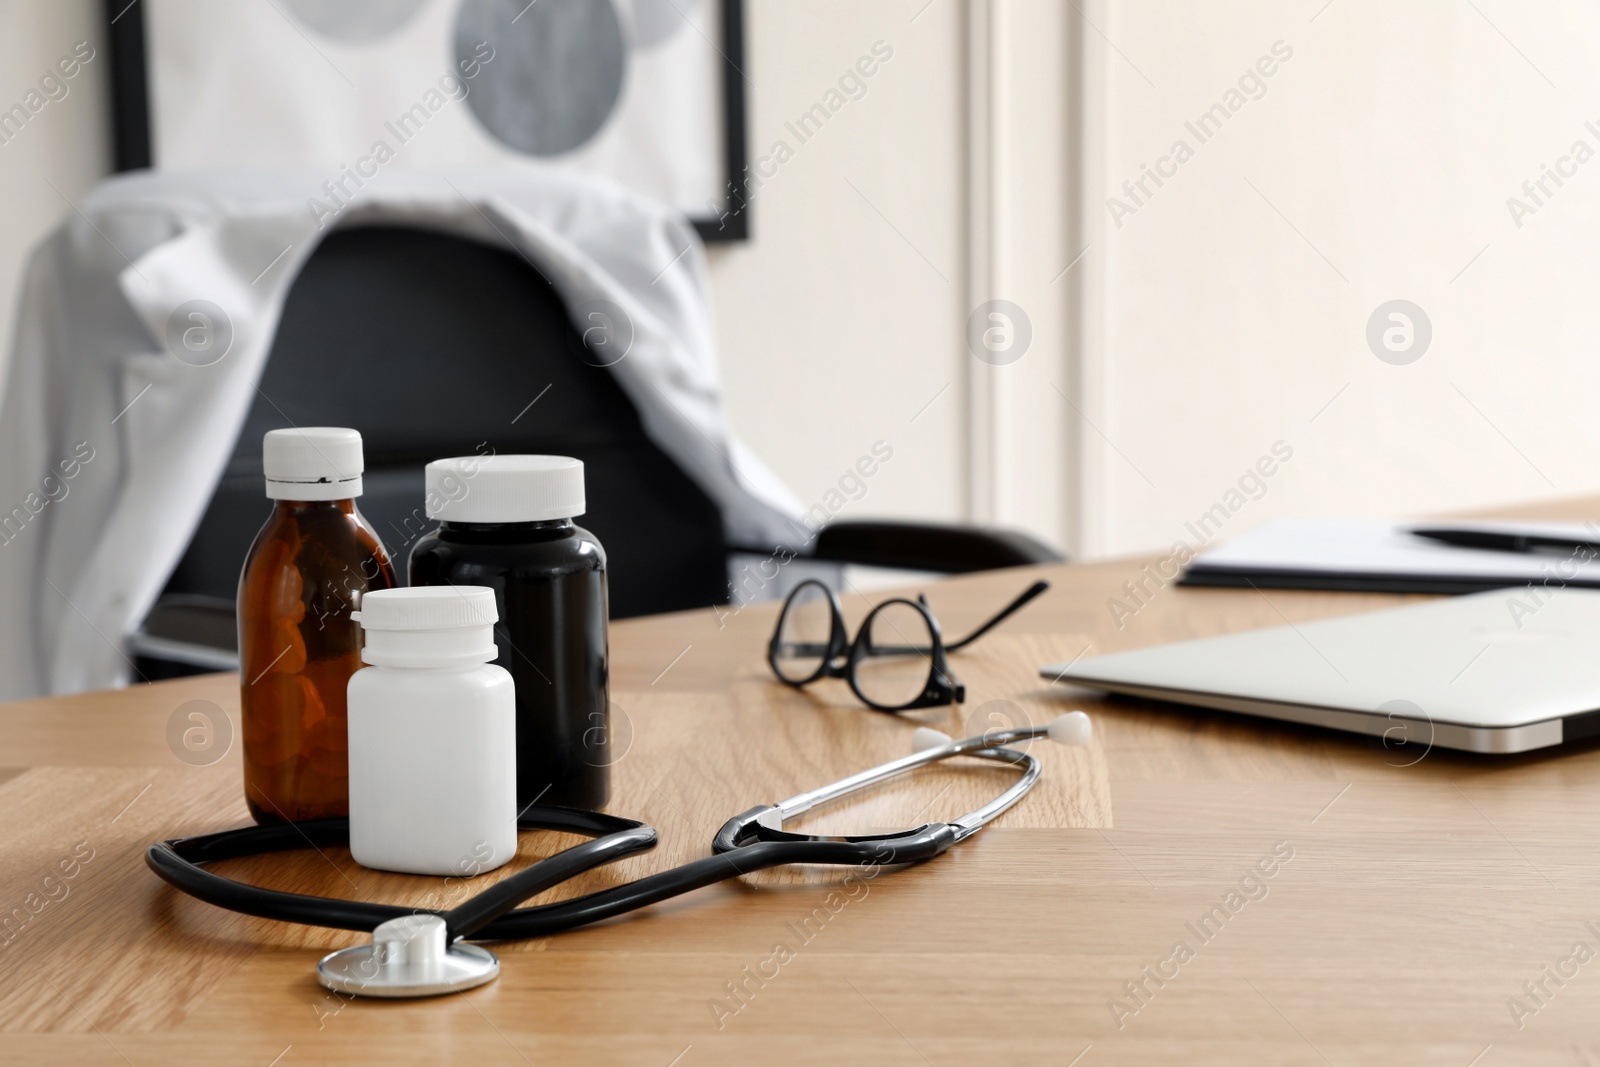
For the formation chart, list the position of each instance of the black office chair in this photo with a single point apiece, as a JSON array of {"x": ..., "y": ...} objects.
[{"x": 433, "y": 345}]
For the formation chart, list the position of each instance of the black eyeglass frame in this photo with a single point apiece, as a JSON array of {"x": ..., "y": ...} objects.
[{"x": 942, "y": 687}]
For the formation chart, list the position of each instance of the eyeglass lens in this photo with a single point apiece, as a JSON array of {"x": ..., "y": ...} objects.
[
  {"x": 803, "y": 634},
  {"x": 897, "y": 656}
]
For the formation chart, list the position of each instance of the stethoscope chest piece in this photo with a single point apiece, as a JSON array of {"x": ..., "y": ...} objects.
[{"x": 408, "y": 957}]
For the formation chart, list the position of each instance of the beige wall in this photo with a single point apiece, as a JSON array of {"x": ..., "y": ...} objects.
[
  {"x": 840, "y": 320},
  {"x": 844, "y": 320},
  {"x": 1230, "y": 310},
  {"x": 64, "y": 148}
]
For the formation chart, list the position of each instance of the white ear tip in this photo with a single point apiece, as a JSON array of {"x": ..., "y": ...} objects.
[
  {"x": 1073, "y": 728},
  {"x": 927, "y": 737}
]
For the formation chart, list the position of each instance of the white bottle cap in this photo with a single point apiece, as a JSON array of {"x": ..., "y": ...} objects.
[
  {"x": 312, "y": 463},
  {"x": 504, "y": 488},
  {"x": 428, "y": 626}
]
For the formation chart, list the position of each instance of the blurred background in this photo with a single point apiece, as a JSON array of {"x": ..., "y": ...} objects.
[{"x": 1082, "y": 265}]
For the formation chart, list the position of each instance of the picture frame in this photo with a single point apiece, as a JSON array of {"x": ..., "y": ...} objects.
[{"x": 718, "y": 159}]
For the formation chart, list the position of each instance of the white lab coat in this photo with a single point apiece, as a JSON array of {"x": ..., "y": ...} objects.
[{"x": 111, "y": 446}]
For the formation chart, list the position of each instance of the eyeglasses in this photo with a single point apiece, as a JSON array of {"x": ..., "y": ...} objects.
[{"x": 897, "y": 660}]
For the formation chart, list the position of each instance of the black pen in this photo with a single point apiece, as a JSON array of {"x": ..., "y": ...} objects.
[{"x": 1505, "y": 541}]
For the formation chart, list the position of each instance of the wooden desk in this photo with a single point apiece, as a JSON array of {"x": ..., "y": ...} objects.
[{"x": 1418, "y": 900}]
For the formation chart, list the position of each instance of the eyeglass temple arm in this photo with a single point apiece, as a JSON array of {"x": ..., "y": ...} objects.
[{"x": 1005, "y": 613}]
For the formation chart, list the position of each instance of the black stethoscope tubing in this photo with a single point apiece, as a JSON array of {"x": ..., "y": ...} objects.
[{"x": 743, "y": 845}]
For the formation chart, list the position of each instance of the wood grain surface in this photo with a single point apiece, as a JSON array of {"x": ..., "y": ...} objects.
[{"x": 1193, "y": 887}]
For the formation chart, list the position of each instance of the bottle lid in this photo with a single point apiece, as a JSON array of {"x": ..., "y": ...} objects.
[
  {"x": 428, "y": 607},
  {"x": 312, "y": 463},
  {"x": 428, "y": 626},
  {"x": 504, "y": 488}
]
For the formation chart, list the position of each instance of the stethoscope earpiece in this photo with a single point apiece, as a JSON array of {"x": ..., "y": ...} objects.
[{"x": 1073, "y": 728}]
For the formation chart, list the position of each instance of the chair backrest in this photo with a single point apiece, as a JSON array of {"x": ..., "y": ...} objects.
[{"x": 433, "y": 345}]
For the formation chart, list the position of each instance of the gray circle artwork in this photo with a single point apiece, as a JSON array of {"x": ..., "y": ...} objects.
[
  {"x": 199, "y": 733},
  {"x": 1399, "y": 332},
  {"x": 199, "y": 332},
  {"x": 557, "y": 70},
  {"x": 999, "y": 332},
  {"x": 656, "y": 21},
  {"x": 354, "y": 23},
  {"x": 1407, "y": 734}
]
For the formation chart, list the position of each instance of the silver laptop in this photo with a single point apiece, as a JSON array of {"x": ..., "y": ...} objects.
[{"x": 1504, "y": 671}]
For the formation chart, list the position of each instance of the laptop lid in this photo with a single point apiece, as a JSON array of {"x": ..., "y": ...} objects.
[{"x": 1502, "y": 671}]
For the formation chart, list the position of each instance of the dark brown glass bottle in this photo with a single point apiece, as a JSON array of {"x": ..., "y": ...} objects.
[{"x": 298, "y": 646}]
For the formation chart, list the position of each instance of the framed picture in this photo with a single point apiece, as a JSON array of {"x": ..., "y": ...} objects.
[{"x": 648, "y": 92}]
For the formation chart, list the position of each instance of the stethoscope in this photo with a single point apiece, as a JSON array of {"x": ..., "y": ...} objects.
[{"x": 416, "y": 952}]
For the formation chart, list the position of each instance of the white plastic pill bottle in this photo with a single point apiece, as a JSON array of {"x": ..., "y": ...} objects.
[{"x": 433, "y": 773}]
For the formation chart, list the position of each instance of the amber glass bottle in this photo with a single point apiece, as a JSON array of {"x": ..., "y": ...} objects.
[{"x": 298, "y": 646}]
